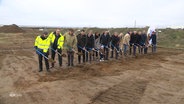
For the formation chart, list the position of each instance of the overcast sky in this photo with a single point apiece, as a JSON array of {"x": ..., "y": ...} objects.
[{"x": 93, "y": 13}]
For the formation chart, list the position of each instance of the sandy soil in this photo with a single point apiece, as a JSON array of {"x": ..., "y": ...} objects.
[{"x": 146, "y": 79}]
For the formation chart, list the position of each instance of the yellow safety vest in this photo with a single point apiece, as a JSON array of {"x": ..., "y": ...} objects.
[
  {"x": 60, "y": 42},
  {"x": 52, "y": 36},
  {"x": 42, "y": 44}
]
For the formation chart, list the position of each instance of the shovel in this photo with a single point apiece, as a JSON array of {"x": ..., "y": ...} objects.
[
  {"x": 49, "y": 59},
  {"x": 63, "y": 55}
]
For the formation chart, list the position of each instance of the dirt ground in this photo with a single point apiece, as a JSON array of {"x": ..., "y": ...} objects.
[{"x": 145, "y": 79}]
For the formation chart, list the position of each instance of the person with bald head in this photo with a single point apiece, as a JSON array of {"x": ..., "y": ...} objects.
[{"x": 57, "y": 41}]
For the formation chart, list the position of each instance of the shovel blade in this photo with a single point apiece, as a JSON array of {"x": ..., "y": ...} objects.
[
  {"x": 63, "y": 55},
  {"x": 79, "y": 53},
  {"x": 51, "y": 60}
]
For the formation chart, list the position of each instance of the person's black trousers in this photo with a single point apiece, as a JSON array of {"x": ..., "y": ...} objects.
[
  {"x": 96, "y": 53},
  {"x": 59, "y": 57},
  {"x": 112, "y": 52},
  {"x": 117, "y": 50},
  {"x": 154, "y": 48},
  {"x": 145, "y": 50},
  {"x": 90, "y": 54},
  {"x": 83, "y": 55},
  {"x": 130, "y": 49},
  {"x": 40, "y": 58},
  {"x": 106, "y": 51},
  {"x": 134, "y": 49}
]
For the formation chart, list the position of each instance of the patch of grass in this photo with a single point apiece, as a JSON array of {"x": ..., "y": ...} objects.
[{"x": 171, "y": 38}]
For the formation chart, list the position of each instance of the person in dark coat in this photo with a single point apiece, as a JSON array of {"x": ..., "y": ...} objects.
[
  {"x": 55, "y": 36},
  {"x": 90, "y": 46},
  {"x": 144, "y": 42},
  {"x": 135, "y": 42},
  {"x": 154, "y": 41},
  {"x": 131, "y": 42},
  {"x": 115, "y": 40},
  {"x": 139, "y": 42},
  {"x": 81, "y": 44},
  {"x": 105, "y": 42}
]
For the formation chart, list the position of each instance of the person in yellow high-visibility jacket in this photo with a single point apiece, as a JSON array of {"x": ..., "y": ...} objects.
[
  {"x": 57, "y": 41},
  {"x": 42, "y": 44}
]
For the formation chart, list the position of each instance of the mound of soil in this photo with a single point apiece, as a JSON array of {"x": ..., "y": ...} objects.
[{"x": 11, "y": 29}]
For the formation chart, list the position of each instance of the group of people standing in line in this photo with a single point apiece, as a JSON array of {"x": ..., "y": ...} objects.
[{"x": 91, "y": 46}]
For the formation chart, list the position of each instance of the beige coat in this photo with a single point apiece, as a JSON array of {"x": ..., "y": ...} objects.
[
  {"x": 126, "y": 39},
  {"x": 121, "y": 40}
]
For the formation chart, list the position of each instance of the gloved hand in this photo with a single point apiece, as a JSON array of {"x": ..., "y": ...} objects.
[
  {"x": 72, "y": 49},
  {"x": 35, "y": 47},
  {"x": 84, "y": 48},
  {"x": 38, "y": 51},
  {"x": 58, "y": 48},
  {"x": 46, "y": 53}
]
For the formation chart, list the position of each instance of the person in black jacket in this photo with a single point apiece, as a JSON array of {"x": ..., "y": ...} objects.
[
  {"x": 134, "y": 41},
  {"x": 144, "y": 42},
  {"x": 131, "y": 42},
  {"x": 139, "y": 42},
  {"x": 105, "y": 41},
  {"x": 81, "y": 44},
  {"x": 54, "y": 36},
  {"x": 154, "y": 41},
  {"x": 90, "y": 46},
  {"x": 115, "y": 44}
]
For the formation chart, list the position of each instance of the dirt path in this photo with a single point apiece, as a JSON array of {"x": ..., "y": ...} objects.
[{"x": 149, "y": 79}]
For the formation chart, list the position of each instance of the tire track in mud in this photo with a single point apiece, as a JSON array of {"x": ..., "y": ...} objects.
[
  {"x": 126, "y": 92},
  {"x": 133, "y": 91}
]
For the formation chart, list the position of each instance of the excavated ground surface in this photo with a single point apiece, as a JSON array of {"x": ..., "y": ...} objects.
[{"x": 145, "y": 79}]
